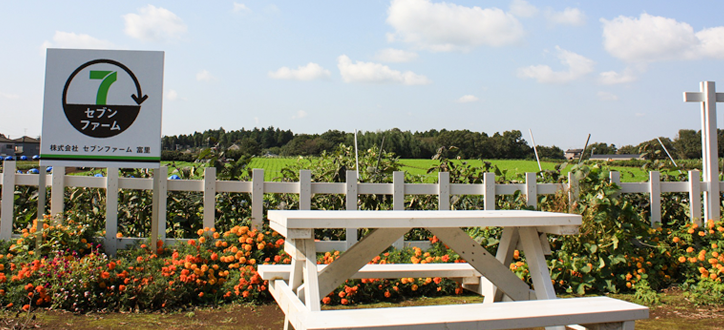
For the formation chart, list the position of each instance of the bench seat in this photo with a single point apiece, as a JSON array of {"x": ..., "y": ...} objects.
[
  {"x": 446, "y": 270},
  {"x": 592, "y": 312}
]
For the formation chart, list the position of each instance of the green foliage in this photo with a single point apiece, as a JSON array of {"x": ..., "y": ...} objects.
[{"x": 700, "y": 254}]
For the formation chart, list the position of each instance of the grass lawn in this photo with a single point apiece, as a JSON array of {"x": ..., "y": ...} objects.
[{"x": 674, "y": 313}]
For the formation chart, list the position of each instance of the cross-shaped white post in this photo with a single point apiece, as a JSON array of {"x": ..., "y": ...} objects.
[{"x": 709, "y": 151}]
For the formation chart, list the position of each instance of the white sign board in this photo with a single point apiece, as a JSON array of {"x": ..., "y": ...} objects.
[{"x": 102, "y": 108}]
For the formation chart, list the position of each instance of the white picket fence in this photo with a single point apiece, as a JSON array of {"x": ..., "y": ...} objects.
[{"x": 305, "y": 188}]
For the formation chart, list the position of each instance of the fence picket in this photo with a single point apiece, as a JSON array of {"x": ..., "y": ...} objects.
[
  {"x": 695, "y": 197},
  {"x": 655, "y": 197},
  {"x": 111, "y": 210},
  {"x": 57, "y": 191},
  {"x": 8, "y": 195}
]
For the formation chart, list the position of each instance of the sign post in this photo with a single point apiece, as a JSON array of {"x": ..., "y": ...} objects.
[
  {"x": 102, "y": 108},
  {"x": 709, "y": 151}
]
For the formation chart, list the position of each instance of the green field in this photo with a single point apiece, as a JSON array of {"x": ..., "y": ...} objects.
[{"x": 273, "y": 166}]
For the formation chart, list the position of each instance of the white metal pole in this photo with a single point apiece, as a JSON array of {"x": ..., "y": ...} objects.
[
  {"x": 356, "y": 155},
  {"x": 535, "y": 149}
]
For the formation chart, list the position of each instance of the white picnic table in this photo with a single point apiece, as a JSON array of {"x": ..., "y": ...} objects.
[{"x": 299, "y": 294}]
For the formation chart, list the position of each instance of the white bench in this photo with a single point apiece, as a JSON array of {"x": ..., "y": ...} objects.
[
  {"x": 461, "y": 272},
  {"x": 596, "y": 313}
]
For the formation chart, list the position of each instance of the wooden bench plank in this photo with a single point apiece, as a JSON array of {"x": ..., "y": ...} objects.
[
  {"x": 304, "y": 219},
  {"x": 445, "y": 270},
  {"x": 504, "y": 315}
]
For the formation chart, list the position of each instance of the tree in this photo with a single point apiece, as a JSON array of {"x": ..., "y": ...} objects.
[
  {"x": 550, "y": 152},
  {"x": 688, "y": 144}
]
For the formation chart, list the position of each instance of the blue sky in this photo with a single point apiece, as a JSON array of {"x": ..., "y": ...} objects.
[{"x": 563, "y": 69}]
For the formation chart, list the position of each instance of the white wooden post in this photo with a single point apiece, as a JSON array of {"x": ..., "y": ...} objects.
[
  {"x": 695, "y": 197},
  {"x": 57, "y": 193},
  {"x": 209, "y": 196},
  {"x": 257, "y": 198},
  {"x": 489, "y": 193},
  {"x": 443, "y": 192},
  {"x": 531, "y": 188},
  {"x": 111, "y": 210},
  {"x": 305, "y": 189},
  {"x": 573, "y": 190},
  {"x": 398, "y": 200},
  {"x": 615, "y": 177},
  {"x": 6, "y": 206},
  {"x": 351, "y": 203},
  {"x": 655, "y": 198},
  {"x": 157, "y": 216},
  {"x": 42, "y": 192},
  {"x": 708, "y": 97},
  {"x": 162, "y": 193}
]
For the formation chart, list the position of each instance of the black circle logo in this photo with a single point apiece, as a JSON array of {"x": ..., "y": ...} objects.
[{"x": 101, "y": 120}]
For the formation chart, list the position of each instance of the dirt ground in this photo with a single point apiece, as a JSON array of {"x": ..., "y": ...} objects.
[{"x": 674, "y": 313}]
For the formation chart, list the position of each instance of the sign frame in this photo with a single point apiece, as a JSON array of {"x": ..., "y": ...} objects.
[{"x": 102, "y": 108}]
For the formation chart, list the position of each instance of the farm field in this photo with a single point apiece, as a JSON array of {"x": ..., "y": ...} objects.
[{"x": 273, "y": 167}]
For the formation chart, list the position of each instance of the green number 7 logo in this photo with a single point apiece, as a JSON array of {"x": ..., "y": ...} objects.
[{"x": 109, "y": 77}]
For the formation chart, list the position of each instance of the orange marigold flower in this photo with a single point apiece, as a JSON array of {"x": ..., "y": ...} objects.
[
  {"x": 119, "y": 235},
  {"x": 192, "y": 242},
  {"x": 202, "y": 239},
  {"x": 105, "y": 275},
  {"x": 326, "y": 300}
]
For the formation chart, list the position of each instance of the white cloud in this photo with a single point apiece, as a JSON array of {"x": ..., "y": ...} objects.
[
  {"x": 712, "y": 42},
  {"x": 9, "y": 96},
  {"x": 240, "y": 8},
  {"x": 311, "y": 71},
  {"x": 467, "y": 99},
  {"x": 613, "y": 77},
  {"x": 655, "y": 38},
  {"x": 376, "y": 73},
  {"x": 607, "y": 96},
  {"x": 204, "y": 75},
  {"x": 395, "y": 55},
  {"x": 72, "y": 40},
  {"x": 577, "y": 65},
  {"x": 300, "y": 114},
  {"x": 447, "y": 27},
  {"x": 154, "y": 24},
  {"x": 569, "y": 16},
  {"x": 522, "y": 8},
  {"x": 171, "y": 95}
]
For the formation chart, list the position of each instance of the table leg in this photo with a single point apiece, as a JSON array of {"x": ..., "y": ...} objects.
[
  {"x": 311, "y": 280},
  {"x": 506, "y": 248},
  {"x": 539, "y": 273},
  {"x": 304, "y": 269},
  {"x": 483, "y": 262},
  {"x": 537, "y": 265}
]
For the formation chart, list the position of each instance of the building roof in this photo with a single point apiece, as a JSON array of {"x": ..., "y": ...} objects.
[
  {"x": 26, "y": 139},
  {"x": 615, "y": 157},
  {"x": 4, "y": 139}
]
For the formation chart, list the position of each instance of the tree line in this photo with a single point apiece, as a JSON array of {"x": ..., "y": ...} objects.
[{"x": 407, "y": 144}]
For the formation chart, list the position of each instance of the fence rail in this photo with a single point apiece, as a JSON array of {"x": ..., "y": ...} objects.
[{"x": 305, "y": 188}]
